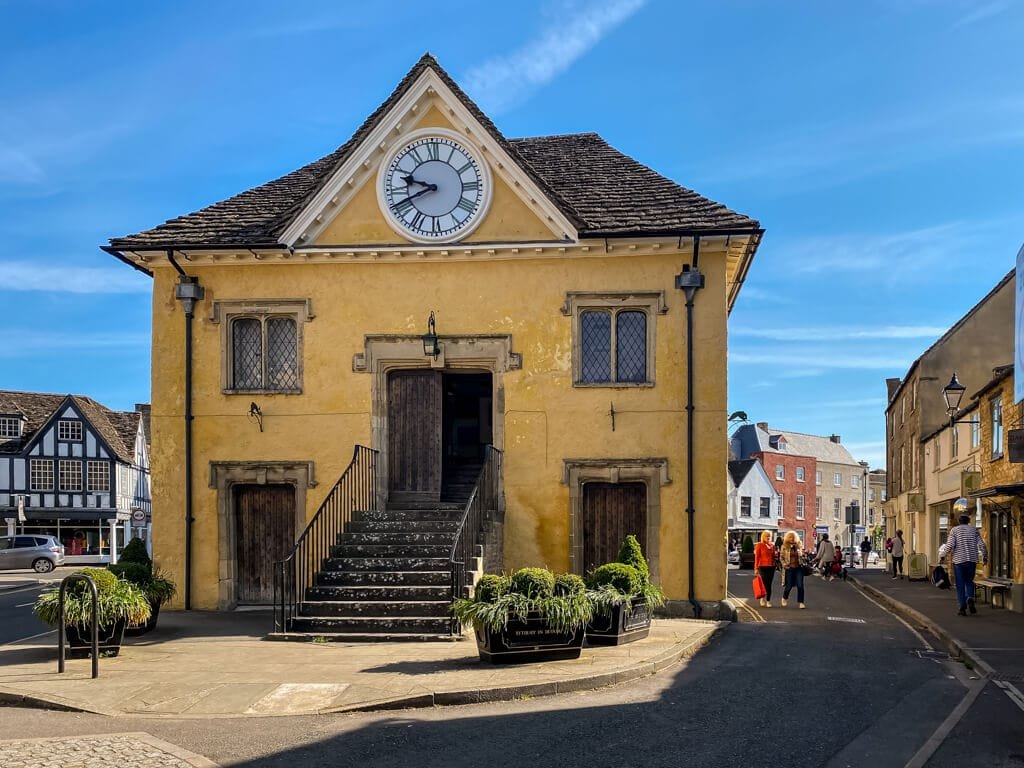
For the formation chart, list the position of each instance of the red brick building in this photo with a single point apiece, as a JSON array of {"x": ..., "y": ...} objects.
[{"x": 794, "y": 479}]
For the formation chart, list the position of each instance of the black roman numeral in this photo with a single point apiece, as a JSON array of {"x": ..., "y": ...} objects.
[
  {"x": 417, "y": 221},
  {"x": 433, "y": 151},
  {"x": 469, "y": 164},
  {"x": 467, "y": 205},
  {"x": 470, "y": 186},
  {"x": 402, "y": 206}
]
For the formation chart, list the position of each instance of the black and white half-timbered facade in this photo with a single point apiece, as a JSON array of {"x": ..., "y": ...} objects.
[{"x": 76, "y": 470}]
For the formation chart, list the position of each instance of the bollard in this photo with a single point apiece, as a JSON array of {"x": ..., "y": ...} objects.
[{"x": 94, "y": 627}]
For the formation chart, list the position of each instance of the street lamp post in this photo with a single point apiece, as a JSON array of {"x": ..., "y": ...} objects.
[{"x": 863, "y": 508}]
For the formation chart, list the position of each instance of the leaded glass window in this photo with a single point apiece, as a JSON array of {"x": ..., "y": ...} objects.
[
  {"x": 41, "y": 474},
  {"x": 601, "y": 332},
  {"x": 98, "y": 476},
  {"x": 264, "y": 354},
  {"x": 70, "y": 475}
]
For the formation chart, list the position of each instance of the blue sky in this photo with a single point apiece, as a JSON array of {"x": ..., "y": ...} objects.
[{"x": 879, "y": 142}]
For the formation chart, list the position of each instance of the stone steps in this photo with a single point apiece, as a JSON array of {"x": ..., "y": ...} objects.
[
  {"x": 382, "y": 609},
  {"x": 387, "y": 563},
  {"x": 391, "y": 552},
  {"x": 373, "y": 625},
  {"x": 364, "y": 637},
  {"x": 364, "y": 538},
  {"x": 376, "y": 593},
  {"x": 402, "y": 526},
  {"x": 384, "y": 578}
]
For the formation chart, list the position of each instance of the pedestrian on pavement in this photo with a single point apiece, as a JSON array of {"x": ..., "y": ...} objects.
[
  {"x": 793, "y": 573},
  {"x": 764, "y": 562},
  {"x": 824, "y": 556},
  {"x": 968, "y": 549},
  {"x": 838, "y": 569},
  {"x": 865, "y": 550},
  {"x": 897, "y": 555}
]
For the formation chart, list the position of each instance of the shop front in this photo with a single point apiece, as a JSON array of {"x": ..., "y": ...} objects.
[{"x": 89, "y": 538}]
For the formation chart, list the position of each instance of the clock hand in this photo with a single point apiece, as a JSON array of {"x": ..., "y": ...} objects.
[
  {"x": 411, "y": 180},
  {"x": 429, "y": 188}
]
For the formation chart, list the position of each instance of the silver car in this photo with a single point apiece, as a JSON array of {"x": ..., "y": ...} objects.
[{"x": 40, "y": 553}]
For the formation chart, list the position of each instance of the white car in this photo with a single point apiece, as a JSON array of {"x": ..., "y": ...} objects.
[{"x": 734, "y": 557}]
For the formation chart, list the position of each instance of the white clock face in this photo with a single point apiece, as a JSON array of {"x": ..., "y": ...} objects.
[{"x": 434, "y": 189}]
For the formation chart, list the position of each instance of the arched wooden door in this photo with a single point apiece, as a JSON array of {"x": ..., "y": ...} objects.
[{"x": 611, "y": 512}]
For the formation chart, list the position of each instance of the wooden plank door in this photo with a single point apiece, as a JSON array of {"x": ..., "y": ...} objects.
[
  {"x": 414, "y": 434},
  {"x": 612, "y": 511},
  {"x": 264, "y": 534}
]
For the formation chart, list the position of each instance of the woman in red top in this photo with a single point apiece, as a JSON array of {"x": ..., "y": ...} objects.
[{"x": 764, "y": 563}]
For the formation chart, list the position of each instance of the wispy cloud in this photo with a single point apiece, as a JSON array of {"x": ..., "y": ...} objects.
[
  {"x": 766, "y": 297},
  {"x": 25, "y": 343},
  {"x": 808, "y": 333},
  {"x": 987, "y": 11},
  {"x": 27, "y": 276},
  {"x": 818, "y": 361},
  {"x": 825, "y": 153},
  {"x": 574, "y": 28}
]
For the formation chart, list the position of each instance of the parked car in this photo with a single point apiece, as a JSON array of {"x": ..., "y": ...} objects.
[
  {"x": 40, "y": 553},
  {"x": 856, "y": 555},
  {"x": 734, "y": 557}
]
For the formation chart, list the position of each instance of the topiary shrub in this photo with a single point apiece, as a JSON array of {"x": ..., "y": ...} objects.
[
  {"x": 748, "y": 545},
  {"x": 569, "y": 584},
  {"x": 533, "y": 583},
  {"x": 135, "y": 552},
  {"x": 137, "y": 573},
  {"x": 490, "y": 587},
  {"x": 631, "y": 554},
  {"x": 623, "y": 578}
]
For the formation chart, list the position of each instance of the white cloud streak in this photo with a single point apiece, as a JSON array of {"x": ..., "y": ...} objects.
[
  {"x": 986, "y": 11},
  {"x": 24, "y": 343},
  {"x": 817, "y": 362},
  {"x": 574, "y": 29},
  {"x": 27, "y": 276},
  {"x": 825, "y": 333}
]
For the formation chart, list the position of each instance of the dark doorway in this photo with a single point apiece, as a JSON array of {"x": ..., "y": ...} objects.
[
  {"x": 611, "y": 512},
  {"x": 264, "y": 534},
  {"x": 466, "y": 428}
]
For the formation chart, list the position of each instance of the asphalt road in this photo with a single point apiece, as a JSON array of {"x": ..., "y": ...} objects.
[
  {"x": 17, "y": 621},
  {"x": 842, "y": 683}
]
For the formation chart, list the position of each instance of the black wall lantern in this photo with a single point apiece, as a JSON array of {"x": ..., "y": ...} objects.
[
  {"x": 431, "y": 348},
  {"x": 953, "y": 393}
]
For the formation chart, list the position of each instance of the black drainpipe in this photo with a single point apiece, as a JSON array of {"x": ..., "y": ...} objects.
[
  {"x": 188, "y": 292},
  {"x": 689, "y": 280}
]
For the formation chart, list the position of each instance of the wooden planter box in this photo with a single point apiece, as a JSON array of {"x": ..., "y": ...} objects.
[
  {"x": 79, "y": 643},
  {"x": 624, "y": 624},
  {"x": 528, "y": 641}
]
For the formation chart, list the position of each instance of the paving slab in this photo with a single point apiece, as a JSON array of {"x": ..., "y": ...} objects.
[
  {"x": 216, "y": 665},
  {"x": 125, "y": 750}
]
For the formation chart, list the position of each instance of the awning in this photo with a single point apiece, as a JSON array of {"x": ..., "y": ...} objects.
[
  {"x": 751, "y": 524},
  {"x": 1011, "y": 489},
  {"x": 48, "y": 515}
]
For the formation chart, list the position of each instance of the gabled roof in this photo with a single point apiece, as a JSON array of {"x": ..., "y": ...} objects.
[
  {"x": 755, "y": 438},
  {"x": 600, "y": 190},
  {"x": 117, "y": 428},
  {"x": 739, "y": 470}
]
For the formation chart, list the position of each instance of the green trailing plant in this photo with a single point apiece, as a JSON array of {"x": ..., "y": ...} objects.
[
  {"x": 118, "y": 600},
  {"x": 630, "y": 553},
  {"x": 561, "y": 602}
]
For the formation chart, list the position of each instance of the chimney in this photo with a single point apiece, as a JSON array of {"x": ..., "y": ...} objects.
[
  {"x": 892, "y": 385},
  {"x": 834, "y": 438},
  {"x": 763, "y": 426}
]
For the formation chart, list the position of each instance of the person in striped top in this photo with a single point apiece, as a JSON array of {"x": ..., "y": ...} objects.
[{"x": 967, "y": 549}]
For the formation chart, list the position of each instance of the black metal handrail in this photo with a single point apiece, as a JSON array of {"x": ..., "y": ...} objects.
[
  {"x": 354, "y": 491},
  {"x": 94, "y": 622},
  {"x": 483, "y": 500}
]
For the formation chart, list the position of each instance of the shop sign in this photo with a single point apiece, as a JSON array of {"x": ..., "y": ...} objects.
[{"x": 970, "y": 481}]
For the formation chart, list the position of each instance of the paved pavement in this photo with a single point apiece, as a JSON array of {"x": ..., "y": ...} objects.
[
  {"x": 200, "y": 664},
  {"x": 125, "y": 750}
]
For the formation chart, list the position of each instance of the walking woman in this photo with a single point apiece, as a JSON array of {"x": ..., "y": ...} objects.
[
  {"x": 764, "y": 563},
  {"x": 791, "y": 558},
  {"x": 897, "y": 555}
]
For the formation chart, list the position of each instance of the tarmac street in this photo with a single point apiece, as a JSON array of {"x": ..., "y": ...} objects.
[{"x": 844, "y": 682}]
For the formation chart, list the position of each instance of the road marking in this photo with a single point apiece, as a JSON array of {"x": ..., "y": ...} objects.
[
  {"x": 848, "y": 621},
  {"x": 931, "y": 746},
  {"x": 1012, "y": 691},
  {"x": 900, "y": 619},
  {"x": 24, "y": 605},
  {"x": 740, "y": 604},
  {"x": 30, "y": 637}
]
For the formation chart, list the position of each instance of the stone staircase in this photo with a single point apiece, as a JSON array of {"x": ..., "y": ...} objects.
[{"x": 388, "y": 577}]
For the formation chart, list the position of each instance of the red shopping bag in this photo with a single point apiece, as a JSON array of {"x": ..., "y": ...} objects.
[{"x": 759, "y": 590}]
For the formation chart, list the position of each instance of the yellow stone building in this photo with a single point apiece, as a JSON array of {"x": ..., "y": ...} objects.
[{"x": 428, "y": 290}]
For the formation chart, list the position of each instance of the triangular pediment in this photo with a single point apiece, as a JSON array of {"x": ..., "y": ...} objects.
[{"x": 348, "y": 209}]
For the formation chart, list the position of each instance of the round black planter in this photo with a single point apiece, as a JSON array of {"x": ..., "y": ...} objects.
[
  {"x": 527, "y": 641},
  {"x": 79, "y": 644},
  {"x": 624, "y": 624}
]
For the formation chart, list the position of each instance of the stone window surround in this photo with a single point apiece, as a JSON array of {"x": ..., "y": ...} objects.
[
  {"x": 224, "y": 311},
  {"x": 650, "y": 302},
  {"x": 224, "y": 475},
  {"x": 652, "y": 472},
  {"x": 384, "y": 353}
]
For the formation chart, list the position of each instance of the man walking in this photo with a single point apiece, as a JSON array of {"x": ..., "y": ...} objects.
[
  {"x": 824, "y": 556},
  {"x": 967, "y": 548},
  {"x": 865, "y": 550}
]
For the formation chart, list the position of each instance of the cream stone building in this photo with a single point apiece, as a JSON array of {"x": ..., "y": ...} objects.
[{"x": 438, "y": 345}]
